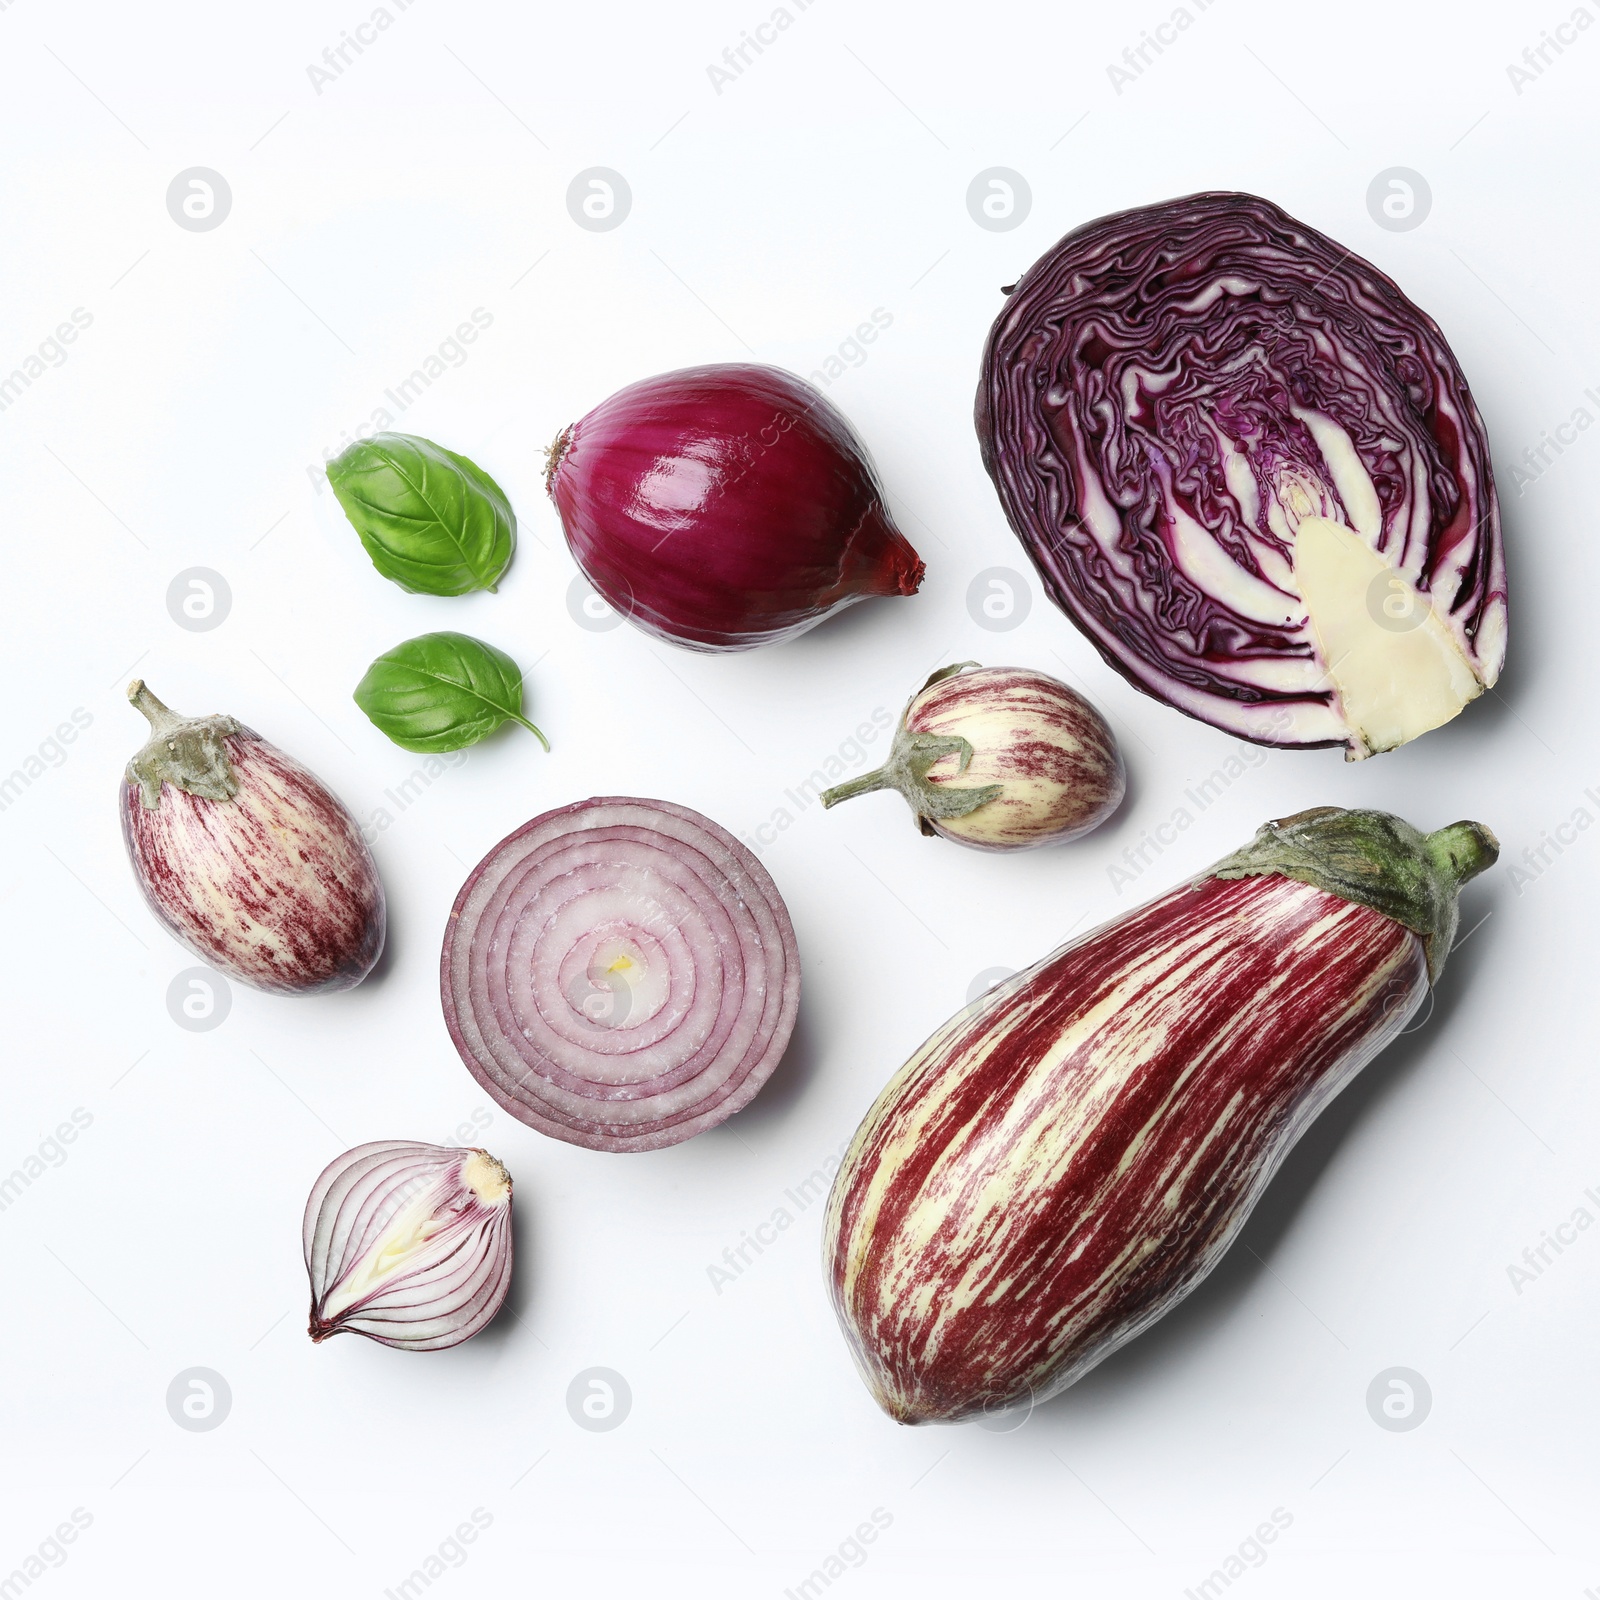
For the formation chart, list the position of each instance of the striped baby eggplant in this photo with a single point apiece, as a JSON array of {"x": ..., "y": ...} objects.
[
  {"x": 1000, "y": 758},
  {"x": 247, "y": 858},
  {"x": 1064, "y": 1160}
]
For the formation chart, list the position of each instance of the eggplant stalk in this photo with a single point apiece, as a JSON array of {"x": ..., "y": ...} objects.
[
  {"x": 910, "y": 758},
  {"x": 191, "y": 753}
]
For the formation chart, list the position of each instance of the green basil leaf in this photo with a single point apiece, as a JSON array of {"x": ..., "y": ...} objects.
[
  {"x": 433, "y": 521},
  {"x": 443, "y": 691}
]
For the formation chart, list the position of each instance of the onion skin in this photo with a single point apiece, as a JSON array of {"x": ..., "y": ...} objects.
[
  {"x": 1036, "y": 759},
  {"x": 725, "y": 507},
  {"x": 691, "y": 953},
  {"x": 272, "y": 885},
  {"x": 1069, "y": 1156},
  {"x": 1147, "y": 352}
]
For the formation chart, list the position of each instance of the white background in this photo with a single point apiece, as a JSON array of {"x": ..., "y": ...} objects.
[{"x": 828, "y": 180}]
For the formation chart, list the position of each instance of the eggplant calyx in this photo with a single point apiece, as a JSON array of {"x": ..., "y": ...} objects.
[
  {"x": 1371, "y": 858},
  {"x": 953, "y": 670},
  {"x": 907, "y": 770},
  {"x": 190, "y": 753}
]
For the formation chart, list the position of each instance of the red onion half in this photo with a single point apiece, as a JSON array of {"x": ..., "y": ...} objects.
[
  {"x": 408, "y": 1244},
  {"x": 725, "y": 507},
  {"x": 621, "y": 974}
]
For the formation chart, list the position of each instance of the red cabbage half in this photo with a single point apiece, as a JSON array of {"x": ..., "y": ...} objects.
[{"x": 1250, "y": 470}]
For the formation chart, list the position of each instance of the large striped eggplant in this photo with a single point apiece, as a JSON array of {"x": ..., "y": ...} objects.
[
  {"x": 247, "y": 858},
  {"x": 1068, "y": 1157}
]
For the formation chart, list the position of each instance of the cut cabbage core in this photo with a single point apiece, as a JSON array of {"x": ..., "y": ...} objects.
[{"x": 1396, "y": 669}]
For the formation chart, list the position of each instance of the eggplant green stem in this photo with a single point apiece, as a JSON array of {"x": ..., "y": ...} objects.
[
  {"x": 1463, "y": 850},
  {"x": 191, "y": 753},
  {"x": 1373, "y": 859},
  {"x": 160, "y": 716},
  {"x": 867, "y": 783},
  {"x": 910, "y": 757}
]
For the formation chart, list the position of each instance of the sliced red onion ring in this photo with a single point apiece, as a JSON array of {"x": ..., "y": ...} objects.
[
  {"x": 621, "y": 974},
  {"x": 409, "y": 1244}
]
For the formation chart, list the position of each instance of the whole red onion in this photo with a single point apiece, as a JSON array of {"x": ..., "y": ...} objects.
[{"x": 724, "y": 507}]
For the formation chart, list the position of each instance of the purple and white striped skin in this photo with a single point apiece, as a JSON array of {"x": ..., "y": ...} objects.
[
  {"x": 1063, "y": 1161},
  {"x": 621, "y": 974},
  {"x": 247, "y": 858},
  {"x": 1058, "y": 767},
  {"x": 408, "y": 1244}
]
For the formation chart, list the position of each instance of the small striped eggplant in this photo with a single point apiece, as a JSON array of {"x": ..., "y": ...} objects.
[
  {"x": 1001, "y": 758},
  {"x": 1063, "y": 1161},
  {"x": 247, "y": 858}
]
